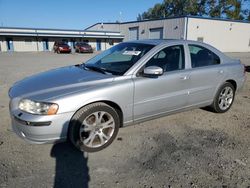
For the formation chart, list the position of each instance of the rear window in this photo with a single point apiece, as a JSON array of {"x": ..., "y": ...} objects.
[
  {"x": 83, "y": 44},
  {"x": 62, "y": 43},
  {"x": 201, "y": 56}
]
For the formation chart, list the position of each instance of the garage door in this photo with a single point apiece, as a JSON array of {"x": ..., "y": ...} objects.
[
  {"x": 134, "y": 33},
  {"x": 156, "y": 33}
]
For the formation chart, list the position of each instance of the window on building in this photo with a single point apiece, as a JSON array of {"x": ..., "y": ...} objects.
[
  {"x": 200, "y": 39},
  {"x": 28, "y": 41},
  {"x": 169, "y": 59},
  {"x": 111, "y": 42},
  {"x": 201, "y": 56}
]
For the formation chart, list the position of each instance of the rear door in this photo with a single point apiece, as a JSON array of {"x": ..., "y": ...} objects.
[
  {"x": 154, "y": 96},
  {"x": 205, "y": 75}
]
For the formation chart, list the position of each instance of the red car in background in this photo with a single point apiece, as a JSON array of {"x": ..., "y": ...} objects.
[
  {"x": 61, "y": 47},
  {"x": 81, "y": 47}
]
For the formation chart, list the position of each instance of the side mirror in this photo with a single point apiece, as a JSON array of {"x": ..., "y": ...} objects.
[{"x": 152, "y": 71}]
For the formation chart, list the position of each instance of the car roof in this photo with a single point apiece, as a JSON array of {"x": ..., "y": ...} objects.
[
  {"x": 165, "y": 41},
  {"x": 156, "y": 41}
]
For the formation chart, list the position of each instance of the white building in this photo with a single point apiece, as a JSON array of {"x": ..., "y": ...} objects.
[
  {"x": 32, "y": 39},
  {"x": 226, "y": 35}
]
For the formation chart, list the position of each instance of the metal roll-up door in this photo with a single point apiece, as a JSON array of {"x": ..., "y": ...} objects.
[
  {"x": 134, "y": 33},
  {"x": 156, "y": 33}
]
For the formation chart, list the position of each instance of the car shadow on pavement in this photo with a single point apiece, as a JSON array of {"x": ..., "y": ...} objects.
[{"x": 71, "y": 166}]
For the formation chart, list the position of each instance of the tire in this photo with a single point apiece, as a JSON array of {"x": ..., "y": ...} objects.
[
  {"x": 224, "y": 98},
  {"x": 89, "y": 130}
]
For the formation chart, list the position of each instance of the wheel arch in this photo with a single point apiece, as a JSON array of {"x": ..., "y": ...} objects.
[
  {"x": 110, "y": 103},
  {"x": 233, "y": 82}
]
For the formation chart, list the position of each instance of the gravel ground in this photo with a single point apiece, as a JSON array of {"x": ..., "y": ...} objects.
[{"x": 196, "y": 148}]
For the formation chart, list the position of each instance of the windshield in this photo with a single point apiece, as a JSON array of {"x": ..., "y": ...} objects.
[
  {"x": 62, "y": 44},
  {"x": 118, "y": 59},
  {"x": 83, "y": 44}
]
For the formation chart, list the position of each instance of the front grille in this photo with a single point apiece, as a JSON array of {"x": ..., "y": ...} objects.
[{"x": 28, "y": 123}]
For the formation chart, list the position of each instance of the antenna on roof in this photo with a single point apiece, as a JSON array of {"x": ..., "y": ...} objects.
[{"x": 120, "y": 18}]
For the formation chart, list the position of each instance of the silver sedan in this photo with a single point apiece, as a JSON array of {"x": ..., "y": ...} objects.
[{"x": 126, "y": 84}]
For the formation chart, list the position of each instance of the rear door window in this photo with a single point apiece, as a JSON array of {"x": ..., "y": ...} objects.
[{"x": 201, "y": 56}]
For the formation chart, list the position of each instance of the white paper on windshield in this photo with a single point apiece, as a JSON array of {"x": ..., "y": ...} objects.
[{"x": 131, "y": 52}]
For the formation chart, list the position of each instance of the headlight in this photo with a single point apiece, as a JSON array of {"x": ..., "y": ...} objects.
[
  {"x": 41, "y": 108},
  {"x": 60, "y": 48}
]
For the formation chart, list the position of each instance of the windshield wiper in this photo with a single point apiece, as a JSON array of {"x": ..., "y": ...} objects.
[{"x": 97, "y": 69}]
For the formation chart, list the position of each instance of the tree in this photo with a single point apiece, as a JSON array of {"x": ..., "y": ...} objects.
[
  {"x": 232, "y": 9},
  {"x": 216, "y": 8},
  {"x": 248, "y": 17}
]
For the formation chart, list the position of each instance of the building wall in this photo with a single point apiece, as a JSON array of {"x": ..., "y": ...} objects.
[
  {"x": 29, "y": 44},
  {"x": 172, "y": 28},
  {"x": 26, "y": 44},
  {"x": 3, "y": 46},
  {"x": 225, "y": 35},
  {"x": 105, "y": 27}
]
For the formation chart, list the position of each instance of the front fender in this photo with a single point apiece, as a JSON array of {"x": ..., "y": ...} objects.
[{"x": 120, "y": 93}]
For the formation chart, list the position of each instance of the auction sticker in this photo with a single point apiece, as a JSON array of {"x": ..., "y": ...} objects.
[{"x": 131, "y": 52}]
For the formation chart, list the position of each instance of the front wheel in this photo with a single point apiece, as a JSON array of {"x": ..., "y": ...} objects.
[
  {"x": 94, "y": 127},
  {"x": 224, "y": 98}
]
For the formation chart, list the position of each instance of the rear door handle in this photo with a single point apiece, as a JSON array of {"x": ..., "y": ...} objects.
[{"x": 185, "y": 77}]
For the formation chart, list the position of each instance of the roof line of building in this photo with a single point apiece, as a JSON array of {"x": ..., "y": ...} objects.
[
  {"x": 172, "y": 17},
  {"x": 59, "y": 35},
  {"x": 50, "y": 29}
]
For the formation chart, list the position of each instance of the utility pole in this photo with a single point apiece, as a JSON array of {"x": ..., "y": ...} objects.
[{"x": 120, "y": 18}]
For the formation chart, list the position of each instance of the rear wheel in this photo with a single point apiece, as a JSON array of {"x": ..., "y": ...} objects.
[
  {"x": 224, "y": 98},
  {"x": 94, "y": 127}
]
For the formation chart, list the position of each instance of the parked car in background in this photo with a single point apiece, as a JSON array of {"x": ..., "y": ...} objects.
[
  {"x": 126, "y": 84},
  {"x": 82, "y": 47},
  {"x": 61, "y": 47}
]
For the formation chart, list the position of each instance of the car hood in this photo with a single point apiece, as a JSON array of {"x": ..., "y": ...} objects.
[{"x": 57, "y": 82}]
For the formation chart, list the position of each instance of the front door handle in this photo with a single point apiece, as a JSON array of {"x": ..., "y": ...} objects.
[{"x": 221, "y": 71}]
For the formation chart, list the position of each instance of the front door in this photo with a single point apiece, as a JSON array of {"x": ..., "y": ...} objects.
[
  {"x": 154, "y": 96},
  {"x": 45, "y": 45},
  {"x": 98, "y": 45},
  {"x": 10, "y": 46}
]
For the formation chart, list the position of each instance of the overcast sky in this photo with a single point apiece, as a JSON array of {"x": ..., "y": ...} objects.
[{"x": 69, "y": 14}]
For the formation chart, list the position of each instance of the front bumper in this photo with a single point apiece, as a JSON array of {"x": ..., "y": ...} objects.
[
  {"x": 65, "y": 50},
  {"x": 86, "y": 50},
  {"x": 40, "y": 129}
]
